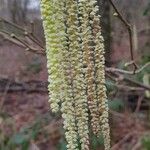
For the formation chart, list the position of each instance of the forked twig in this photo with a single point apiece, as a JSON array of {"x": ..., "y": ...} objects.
[{"x": 128, "y": 26}]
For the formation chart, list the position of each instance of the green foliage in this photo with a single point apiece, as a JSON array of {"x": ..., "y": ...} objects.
[
  {"x": 35, "y": 65},
  {"x": 97, "y": 142},
  {"x": 147, "y": 10},
  {"x": 116, "y": 104},
  {"x": 110, "y": 86},
  {"x": 139, "y": 76},
  {"x": 62, "y": 145},
  {"x": 19, "y": 139},
  {"x": 146, "y": 143}
]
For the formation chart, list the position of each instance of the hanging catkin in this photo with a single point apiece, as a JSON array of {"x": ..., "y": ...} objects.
[{"x": 75, "y": 62}]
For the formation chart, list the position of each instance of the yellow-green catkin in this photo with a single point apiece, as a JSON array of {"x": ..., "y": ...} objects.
[
  {"x": 79, "y": 83},
  {"x": 59, "y": 65},
  {"x": 68, "y": 109},
  {"x": 88, "y": 55},
  {"x": 52, "y": 22},
  {"x": 75, "y": 62},
  {"x": 100, "y": 75}
]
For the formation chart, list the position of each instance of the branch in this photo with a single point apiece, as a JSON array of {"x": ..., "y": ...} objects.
[
  {"x": 136, "y": 83},
  {"x": 34, "y": 86},
  {"x": 21, "y": 37},
  {"x": 118, "y": 77},
  {"x": 110, "y": 69},
  {"x": 28, "y": 47},
  {"x": 139, "y": 103},
  {"x": 24, "y": 31},
  {"x": 29, "y": 87},
  {"x": 122, "y": 141},
  {"x": 128, "y": 26},
  {"x": 12, "y": 24}
]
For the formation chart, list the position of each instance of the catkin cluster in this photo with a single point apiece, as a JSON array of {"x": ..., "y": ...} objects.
[{"x": 75, "y": 62}]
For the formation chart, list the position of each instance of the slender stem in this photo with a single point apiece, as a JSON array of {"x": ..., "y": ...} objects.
[
  {"x": 128, "y": 26},
  {"x": 110, "y": 69},
  {"x": 28, "y": 47}
]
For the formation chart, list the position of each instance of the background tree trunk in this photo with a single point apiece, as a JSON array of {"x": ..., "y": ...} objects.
[{"x": 18, "y": 10}]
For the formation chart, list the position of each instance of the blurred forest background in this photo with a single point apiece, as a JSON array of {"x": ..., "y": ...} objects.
[{"x": 26, "y": 122}]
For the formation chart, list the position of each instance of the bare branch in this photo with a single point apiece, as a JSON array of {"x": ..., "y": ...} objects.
[
  {"x": 31, "y": 86},
  {"x": 110, "y": 69},
  {"x": 128, "y": 26},
  {"x": 23, "y": 35}
]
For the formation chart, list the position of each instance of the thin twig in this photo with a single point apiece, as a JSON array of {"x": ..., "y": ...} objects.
[
  {"x": 124, "y": 87},
  {"x": 35, "y": 40},
  {"x": 30, "y": 35},
  {"x": 136, "y": 83},
  {"x": 128, "y": 88},
  {"x": 32, "y": 27},
  {"x": 126, "y": 79},
  {"x": 117, "y": 114},
  {"x": 137, "y": 146},
  {"x": 139, "y": 102},
  {"x": 110, "y": 69},
  {"x": 128, "y": 136},
  {"x": 128, "y": 26},
  {"x": 12, "y": 24},
  {"x": 4, "y": 94},
  {"x": 27, "y": 45},
  {"x": 31, "y": 86}
]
